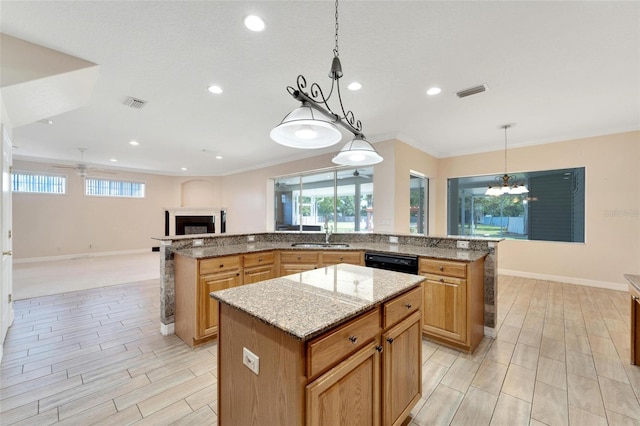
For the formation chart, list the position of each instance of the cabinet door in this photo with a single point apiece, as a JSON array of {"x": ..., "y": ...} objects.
[
  {"x": 635, "y": 328},
  {"x": 207, "y": 315},
  {"x": 260, "y": 273},
  {"x": 402, "y": 374},
  {"x": 349, "y": 393},
  {"x": 445, "y": 308}
]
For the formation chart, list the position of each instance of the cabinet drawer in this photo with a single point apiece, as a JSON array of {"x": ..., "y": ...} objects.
[
  {"x": 257, "y": 259},
  {"x": 216, "y": 264},
  {"x": 445, "y": 280},
  {"x": 402, "y": 306},
  {"x": 334, "y": 346},
  {"x": 309, "y": 257},
  {"x": 335, "y": 257},
  {"x": 443, "y": 267}
]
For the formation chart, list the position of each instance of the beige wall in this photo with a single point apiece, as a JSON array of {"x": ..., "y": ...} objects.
[
  {"x": 50, "y": 225},
  {"x": 61, "y": 225},
  {"x": 612, "y": 228}
]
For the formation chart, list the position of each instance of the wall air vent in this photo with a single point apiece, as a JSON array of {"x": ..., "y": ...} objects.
[
  {"x": 472, "y": 91},
  {"x": 135, "y": 102}
]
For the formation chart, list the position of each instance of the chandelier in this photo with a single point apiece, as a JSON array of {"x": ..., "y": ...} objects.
[
  {"x": 506, "y": 184},
  {"x": 313, "y": 124}
]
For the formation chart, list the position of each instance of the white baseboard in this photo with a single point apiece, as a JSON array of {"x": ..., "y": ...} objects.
[
  {"x": 490, "y": 332},
  {"x": 80, "y": 255},
  {"x": 568, "y": 280},
  {"x": 167, "y": 329}
]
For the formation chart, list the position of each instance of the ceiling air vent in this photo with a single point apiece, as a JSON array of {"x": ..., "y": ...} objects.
[
  {"x": 472, "y": 91},
  {"x": 135, "y": 102}
]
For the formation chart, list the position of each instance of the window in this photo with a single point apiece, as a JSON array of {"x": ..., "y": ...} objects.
[
  {"x": 41, "y": 183},
  {"x": 114, "y": 188},
  {"x": 553, "y": 210},
  {"x": 342, "y": 199},
  {"x": 418, "y": 196}
]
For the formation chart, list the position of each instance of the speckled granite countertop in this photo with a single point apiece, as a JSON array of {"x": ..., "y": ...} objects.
[
  {"x": 437, "y": 253},
  {"x": 634, "y": 280},
  {"x": 309, "y": 303}
]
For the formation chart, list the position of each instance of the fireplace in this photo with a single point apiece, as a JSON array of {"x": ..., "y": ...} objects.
[{"x": 187, "y": 225}]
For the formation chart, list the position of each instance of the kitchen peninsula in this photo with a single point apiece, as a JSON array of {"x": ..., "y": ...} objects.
[
  {"x": 336, "y": 345},
  {"x": 200, "y": 247}
]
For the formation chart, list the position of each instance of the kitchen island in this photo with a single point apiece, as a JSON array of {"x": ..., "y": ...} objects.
[{"x": 335, "y": 345}]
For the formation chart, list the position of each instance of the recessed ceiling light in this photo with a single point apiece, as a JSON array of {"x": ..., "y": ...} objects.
[
  {"x": 434, "y": 91},
  {"x": 184, "y": 169},
  {"x": 134, "y": 143},
  {"x": 354, "y": 86},
  {"x": 215, "y": 89},
  {"x": 219, "y": 157},
  {"x": 254, "y": 23},
  {"x": 113, "y": 160}
]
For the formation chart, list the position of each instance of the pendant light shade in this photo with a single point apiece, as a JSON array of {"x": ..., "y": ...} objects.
[
  {"x": 305, "y": 128},
  {"x": 358, "y": 152}
]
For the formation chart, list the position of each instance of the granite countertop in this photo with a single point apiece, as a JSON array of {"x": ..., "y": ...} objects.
[
  {"x": 634, "y": 280},
  {"x": 433, "y": 252},
  {"x": 309, "y": 303}
]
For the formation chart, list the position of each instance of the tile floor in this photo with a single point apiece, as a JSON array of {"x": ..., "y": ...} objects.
[{"x": 96, "y": 357}]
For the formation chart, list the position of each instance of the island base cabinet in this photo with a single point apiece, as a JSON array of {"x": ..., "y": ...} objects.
[
  {"x": 349, "y": 393},
  {"x": 402, "y": 377},
  {"x": 445, "y": 307}
]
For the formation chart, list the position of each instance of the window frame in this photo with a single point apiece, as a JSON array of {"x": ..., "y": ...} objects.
[
  {"x": 33, "y": 173},
  {"x": 125, "y": 181}
]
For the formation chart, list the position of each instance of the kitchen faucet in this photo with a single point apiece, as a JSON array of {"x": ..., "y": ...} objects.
[{"x": 327, "y": 230}]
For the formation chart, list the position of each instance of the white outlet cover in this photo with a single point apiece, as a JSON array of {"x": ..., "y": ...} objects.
[
  {"x": 251, "y": 360},
  {"x": 251, "y": 238},
  {"x": 463, "y": 244},
  {"x": 393, "y": 240},
  {"x": 198, "y": 243}
]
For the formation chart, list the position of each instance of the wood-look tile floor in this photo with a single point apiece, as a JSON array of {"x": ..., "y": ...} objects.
[{"x": 561, "y": 356}]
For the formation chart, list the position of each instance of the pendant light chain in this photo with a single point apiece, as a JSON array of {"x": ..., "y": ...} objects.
[
  {"x": 335, "y": 51},
  {"x": 505, "y": 148}
]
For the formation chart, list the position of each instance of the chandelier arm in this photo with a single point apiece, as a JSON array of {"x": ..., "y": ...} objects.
[
  {"x": 348, "y": 115},
  {"x": 303, "y": 97}
]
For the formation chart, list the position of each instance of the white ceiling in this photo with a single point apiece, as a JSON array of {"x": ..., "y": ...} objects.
[{"x": 560, "y": 70}]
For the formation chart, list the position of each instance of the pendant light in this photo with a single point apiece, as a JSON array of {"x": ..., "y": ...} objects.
[
  {"x": 506, "y": 184},
  {"x": 314, "y": 123}
]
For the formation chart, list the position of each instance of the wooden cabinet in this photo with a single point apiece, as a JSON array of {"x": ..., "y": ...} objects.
[
  {"x": 349, "y": 394},
  {"x": 196, "y": 314},
  {"x": 402, "y": 374},
  {"x": 364, "y": 372},
  {"x": 635, "y": 325},
  {"x": 258, "y": 267},
  {"x": 335, "y": 257},
  {"x": 292, "y": 262},
  {"x": 453, "y": 302}
]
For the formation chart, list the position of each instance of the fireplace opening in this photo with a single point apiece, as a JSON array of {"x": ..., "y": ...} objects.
[{"x": 188, "y": 225}]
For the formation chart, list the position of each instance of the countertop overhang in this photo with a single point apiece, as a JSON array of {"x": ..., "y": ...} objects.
[
  {"x": 634, "y": 280},
  {"x": 306, "y": 304},
  {"x": 406, "y": 249}
]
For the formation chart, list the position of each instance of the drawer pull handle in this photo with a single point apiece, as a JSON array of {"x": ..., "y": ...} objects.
[
  {"x": 299, "y": 258},
  {"x": 222, "y": 265},
  {"x": 379, "y": 348},
  {"x": 390, "y": 339},
  {"x": 441, "y": 268},
  {"x": 259, "y": 259},
  {"x": 353, "y": 339},
  {"x": 635, "y": 298},
  {"x": 408, "y": 305},
  {"x": 341, "y": 258},
  {"x": 441, "y": 280}
]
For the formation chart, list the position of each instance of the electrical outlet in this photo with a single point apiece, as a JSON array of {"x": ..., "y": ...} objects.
[
  {"x": 251, "y": 238},
  {"x": 251, "y": 360},
  {"x": 198, "y": 243},
  {"x": 393, "y": 240},
  {"x": 463, "y": 244}
]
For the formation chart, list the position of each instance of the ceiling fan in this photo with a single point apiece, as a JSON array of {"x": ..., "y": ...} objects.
[
  {"x": 82, "y": 168},
  {"x": 356, "y": 173}
]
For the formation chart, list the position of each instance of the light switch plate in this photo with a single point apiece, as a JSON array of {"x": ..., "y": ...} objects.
[
  {"x": 198, "y": 243},
  {"x": 251, "y": 360},
  {"x": 393, "y": 240},
  {"x": 463, "y": 244},
  {"x": 251, "y": 238}
]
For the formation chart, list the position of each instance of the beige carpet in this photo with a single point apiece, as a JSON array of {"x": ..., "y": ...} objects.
[{"x": 82, "y": 273}]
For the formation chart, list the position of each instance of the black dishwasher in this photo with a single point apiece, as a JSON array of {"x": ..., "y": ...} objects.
[{"x": 392, "y": 262}]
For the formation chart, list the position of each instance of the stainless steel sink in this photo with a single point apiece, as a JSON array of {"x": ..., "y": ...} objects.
[{"x": 320, "y": 245}]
